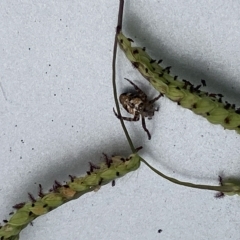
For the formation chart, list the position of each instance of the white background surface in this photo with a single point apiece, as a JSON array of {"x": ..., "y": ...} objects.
[{"x": 56, "y": 118}]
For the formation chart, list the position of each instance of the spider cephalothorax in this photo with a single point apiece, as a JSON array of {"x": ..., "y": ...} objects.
[{"x": 138, "y": 105}]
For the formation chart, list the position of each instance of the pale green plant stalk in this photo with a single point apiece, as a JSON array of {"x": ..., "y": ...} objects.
[{"x": 183, "y": 92}]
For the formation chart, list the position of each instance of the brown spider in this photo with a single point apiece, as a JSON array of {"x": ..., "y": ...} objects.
[{"x": 138, "y": 104}]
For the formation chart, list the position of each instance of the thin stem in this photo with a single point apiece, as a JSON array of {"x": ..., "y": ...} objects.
[
  {"x": 187, "y": 184},
  {"x": 118, "y": 29}
]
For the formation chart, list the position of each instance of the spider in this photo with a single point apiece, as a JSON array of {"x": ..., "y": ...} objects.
[{"x": 138, "y": 105}]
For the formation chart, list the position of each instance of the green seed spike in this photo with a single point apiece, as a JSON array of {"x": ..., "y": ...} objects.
[
  {"x": 107, "y": 172},
  {"x": 231, "y": 183},
  {"x": 183, "y": 92}
]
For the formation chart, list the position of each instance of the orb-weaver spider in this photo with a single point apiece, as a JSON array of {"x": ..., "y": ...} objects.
[{"x": 138, "y": 105}]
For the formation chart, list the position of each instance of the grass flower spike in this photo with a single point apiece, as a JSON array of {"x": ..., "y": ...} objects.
[
  {"x": 113, "y": 168},
  {"x": 183, "y": 92}
]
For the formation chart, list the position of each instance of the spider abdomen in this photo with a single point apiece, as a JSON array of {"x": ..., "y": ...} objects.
[
  {"x": 138, "y": 105},
  {"x": 132, "y": 103}
]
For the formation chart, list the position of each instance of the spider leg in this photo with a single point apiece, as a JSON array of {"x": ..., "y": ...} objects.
[
  {"x": 145, "y": 128},
  {"x": 155, "y": 99},
  {"x": 135, "y": 118},
  {"x": 153, "y": 110},
  {"x": 142, "y": 94},
  {"x": 116, "y": 114},
  {"x": 138, "y": 148}
]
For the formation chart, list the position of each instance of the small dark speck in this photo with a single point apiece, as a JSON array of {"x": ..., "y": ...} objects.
[
  {"x": 49, "y": 65},
  {"x": 72, "y": 125},
  {"x": 32, "y": 148},
  {"x": 159, "y": 230},
  {"x": 21, "y": 157},
  {"x": 52, "y": 120},
  {"x": 29, "y": 49},
  {"x": 66, "y": 25},
  {"x": 22, "y": 141},
  {"x": 55, "y": 94},
  {"x": 56, "y": 75},
  {"x": 60, "y": 19},
  {"x": 46, "y": 72},
  {"x": 10, "y": 149},
  {"x": 15, "y": 125}
]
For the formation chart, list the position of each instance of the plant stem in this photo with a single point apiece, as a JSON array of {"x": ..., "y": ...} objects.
[
  {"x": 187, "y": 184},
  {"x": 118, "y": 28}
]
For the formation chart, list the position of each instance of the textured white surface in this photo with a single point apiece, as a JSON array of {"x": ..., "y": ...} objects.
[{"x": 56, "y": 116}]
